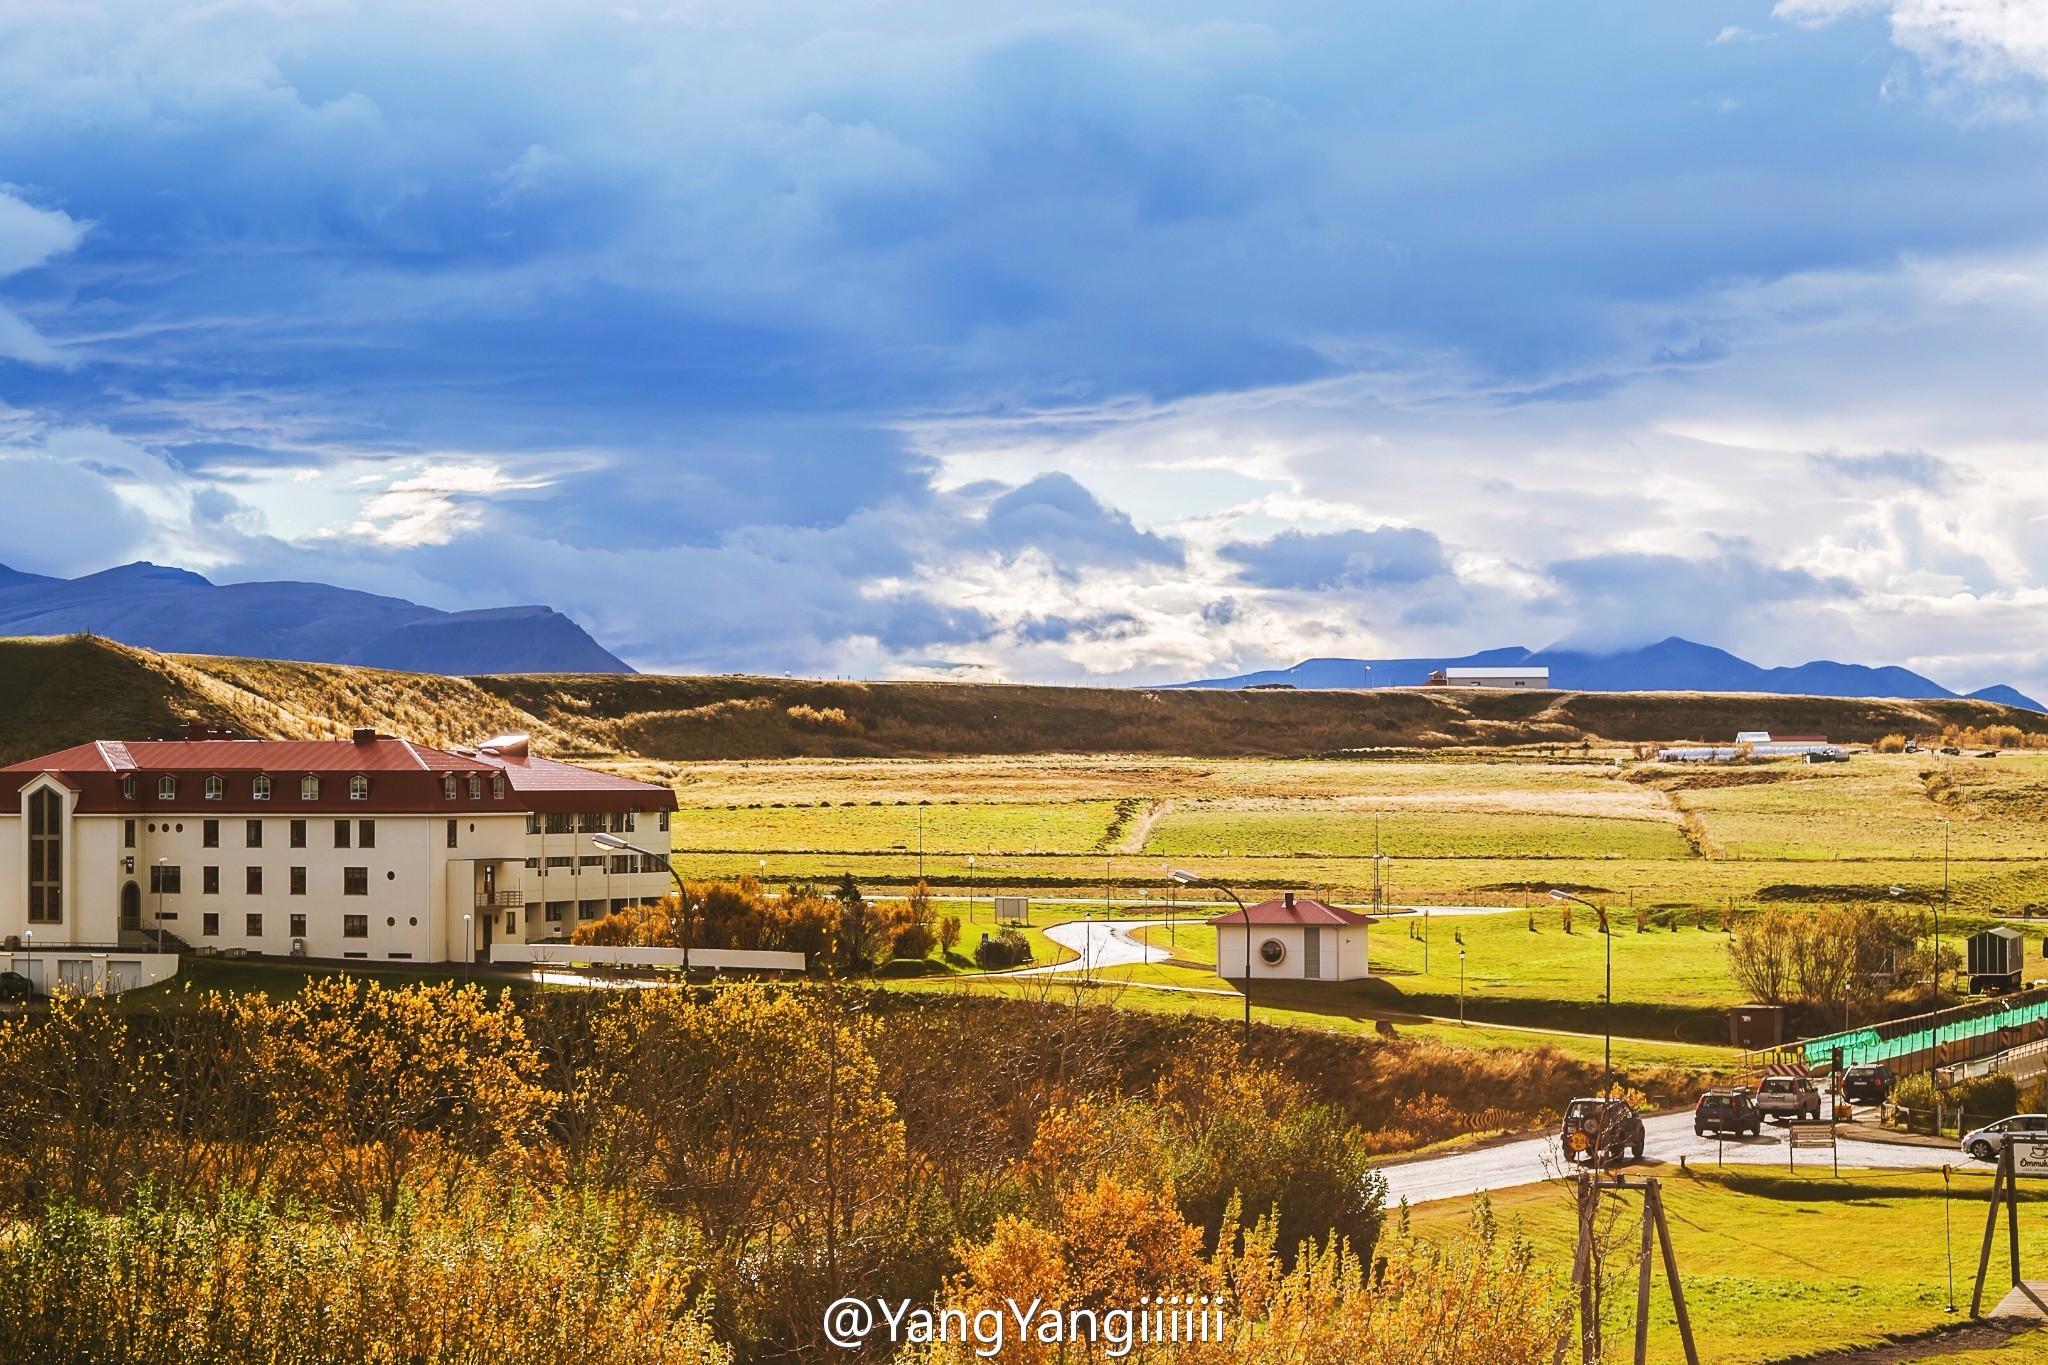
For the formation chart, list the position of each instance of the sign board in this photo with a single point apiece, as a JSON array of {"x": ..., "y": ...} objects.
[
  {"x": 2029, "y": 1156},
  {"x": 1013, "y": 909}
]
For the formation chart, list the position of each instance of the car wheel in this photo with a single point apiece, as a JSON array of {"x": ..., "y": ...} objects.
[
  {"x": 1982, "y": 1150},
  {"x": 1635, "y": 1148},
  {"x": 1699, "y": 1132}
]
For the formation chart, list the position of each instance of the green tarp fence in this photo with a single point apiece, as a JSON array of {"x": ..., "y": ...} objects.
[{"x": 1904, "y": 1037}]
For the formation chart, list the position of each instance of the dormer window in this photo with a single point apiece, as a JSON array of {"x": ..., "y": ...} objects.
[
  {"x": 359, "y": 788},
  {"x": 476, "y": 787},
  {"x": 260, "y": 789},
  {"x": 497, "y": 786},
  {"x": 127, "y": 786},
  {"x": 448, "y": 788},
  {"x": 309, "y": 788},
  {"x": 215, "y": 788},
  {"x": 167, "y": 789}
]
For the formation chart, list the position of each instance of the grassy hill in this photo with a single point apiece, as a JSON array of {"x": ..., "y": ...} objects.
[{"x": 59, "y": 691}]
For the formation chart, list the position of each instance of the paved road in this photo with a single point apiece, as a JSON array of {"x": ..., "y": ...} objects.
[
  {"x": 1669, "y": 1136},
  {"x": 1099, "y": 943}
]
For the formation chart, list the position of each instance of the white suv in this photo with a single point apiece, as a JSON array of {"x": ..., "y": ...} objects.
[
  {"x": 1983, "y": 1143},
  {"x": 1785, "y": 1098}
]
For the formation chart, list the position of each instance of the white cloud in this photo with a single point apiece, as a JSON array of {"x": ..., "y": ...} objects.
[{"x": 1981, "y": 39}]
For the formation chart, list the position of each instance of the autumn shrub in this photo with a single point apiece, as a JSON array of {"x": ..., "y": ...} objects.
[
  {"x": 500, "y": 1276},
  {"x": 1890, "y": 744},
  {"x": 1001, "y": 950}
]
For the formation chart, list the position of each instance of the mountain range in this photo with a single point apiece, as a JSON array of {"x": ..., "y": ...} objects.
[
  {"x": 1670, "y": 665},
  {"x": 178, "y": 612}
]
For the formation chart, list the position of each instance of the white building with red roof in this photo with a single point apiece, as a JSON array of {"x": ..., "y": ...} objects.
[
  {"x": 368, "y": 848},
  {"x": 1293, "y": 938}
]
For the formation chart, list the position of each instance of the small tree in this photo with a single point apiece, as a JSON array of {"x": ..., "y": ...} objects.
[
  {"x": 1760, "y": 956},
  {"x": 949, "y": 934}
]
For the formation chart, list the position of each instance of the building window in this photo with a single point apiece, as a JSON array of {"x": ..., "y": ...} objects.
[
  {"x": 590, "y": 822},
  {"x": 127, "y": 834},
  {"x": 127, "y": 786},
  {"x": 45, "y": 858},
  {"x": 476, "y": 787},
  {"x": 359, "y": 788},
  {"x": 591, "y": 860},
  {"x": 167, "y": 789},
  {"x": 298, "y": 923},
  {"x": 561, "y": 822},
  {"x": 259, "y": 790},
  {"x": 366, "y": 834},
  {"x": 355, "y": 926},
  {"x": 166, "y": 879},
  {"x": 298, "y": 880},
  {"x": 448, "y": 787},
  {"x": 252, "y": 925},
  {"x": 309, "y": 788},
  {"x": 497, "y": 786},
  {"x": 209, "y": 881},
  {"x": 664, "y": 820},
  {"x": 532, "y": 863},
  {"x": 618, "y": 822},
  {"x": 451, "y": 832},
  {"x": 252, "y": 881},
  {"x": 252, "y": 834},
  {"x": 209, "y": 834},
  {"x": 555, "y": 911},
  {"x": 341, "y": 834},
  {"x": 589, "y": 909},
  {"x": 532, "y": 824},
  {"x": 215, "y": 789},
  {"x": 209, "y": 923},
  {"x": 355, "y": 881},
  {"x": 298, "y": 839},
  {"x": 559, "y": 861},
  {"x": 622, "y": 862}
]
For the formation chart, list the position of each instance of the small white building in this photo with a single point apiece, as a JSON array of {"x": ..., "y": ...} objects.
[
  {"x": 1536, "y": 678},
  {"x": 1293, "y": 938}
]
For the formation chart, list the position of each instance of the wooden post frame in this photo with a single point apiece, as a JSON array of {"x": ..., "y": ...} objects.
[
  {"x": 2014, "y": 1159},
  {"x": 1656, "y": 1239}
]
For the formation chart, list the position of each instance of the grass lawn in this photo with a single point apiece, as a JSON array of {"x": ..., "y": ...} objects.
[
  {"x": 1777, "y": 1265},
  {"x": 1016, "y": 826},
  {"x": 1452, "y": 832}
]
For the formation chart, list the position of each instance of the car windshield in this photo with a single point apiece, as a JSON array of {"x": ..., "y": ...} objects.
[{"x": 1780, "y": 1085}]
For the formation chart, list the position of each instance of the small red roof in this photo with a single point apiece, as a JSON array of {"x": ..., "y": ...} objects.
[{"x": 1293, "y": 909}]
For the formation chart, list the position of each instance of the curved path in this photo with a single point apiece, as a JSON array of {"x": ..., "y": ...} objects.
[{"x": 1099, "y": 943}]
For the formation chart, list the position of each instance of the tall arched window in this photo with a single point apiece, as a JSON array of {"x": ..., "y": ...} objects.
[
  {"x": 497, "y": 786},
  {"x": 309, "y": 788},
  {"x": 476, "y": 787},
  {"x": 260, "y": 789},
  {"x": 448, "y": 788},
  {"x": 359, "y": 788},
  {"x": 215, "y": 788},
  {"x": 127, "y": 786},
  {"x": 45, "y": 858},
  {"x": 167, "y": 789}
]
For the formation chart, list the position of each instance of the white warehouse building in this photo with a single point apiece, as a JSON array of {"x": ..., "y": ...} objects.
[
  {"x": 1536, "y": 678},
  {"x": 369, "y": 847}
]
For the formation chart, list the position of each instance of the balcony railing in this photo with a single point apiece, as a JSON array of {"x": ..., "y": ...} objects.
[{"x": 500, "y": 900}]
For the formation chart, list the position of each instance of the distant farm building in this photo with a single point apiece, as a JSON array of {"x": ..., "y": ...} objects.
[
  {"x": 1293, "y": 938},
  {"x": 1756, "y": 744},
  {"x": 1997, "y": 957},
  {"x": 1490, "y": 677}
]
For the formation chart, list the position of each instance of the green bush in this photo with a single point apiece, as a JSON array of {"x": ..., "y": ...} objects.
[{"x": 1006, "y": 948}]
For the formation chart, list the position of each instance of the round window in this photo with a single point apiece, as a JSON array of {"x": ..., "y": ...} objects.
[
  {"x": 1272, "y": 952},
  {"x": 181, "y": 828},
  {"x": 414, "y": 921},
  {"x": 390, "y": 921},
  {"x": 390, "y": 876}
]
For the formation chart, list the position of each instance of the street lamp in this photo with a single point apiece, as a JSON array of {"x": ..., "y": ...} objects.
[
  {"x": 1607, "y": 1009},
  {"x": 162, "y": 876},
  {"x": 468, "y": 947},
  {"x": 1461, "y": 986},
  {"x": 970, "y": 888},
  {"x": 618, "y": 845},
  {"x": 1897, "y": 891},
  {"x": 1194, "y": 879}
]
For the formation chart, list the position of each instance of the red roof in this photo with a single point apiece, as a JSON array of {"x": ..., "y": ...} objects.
[
  {"x": 404, "y": 778},
  {"x": 1293, "y": 909}
]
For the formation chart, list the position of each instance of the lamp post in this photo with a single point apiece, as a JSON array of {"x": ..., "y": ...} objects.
[
  {"x": 1461, "y": 987},
  {"x": 1897, "y": 891},
  {"x": 970, "y": 888},
  {"x": 468, "y": 947},
  {"x": 1607, "y": 1007},
  {"x": 618, "y": 845},
  {"x": 1194, "y": 879},
  {"x": 29, "y": 936}
]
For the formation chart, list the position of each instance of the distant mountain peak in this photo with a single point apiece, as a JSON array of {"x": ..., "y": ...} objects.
[
  {"x": 1673, "y": 664},
  {"x": 176, "y": 611}
]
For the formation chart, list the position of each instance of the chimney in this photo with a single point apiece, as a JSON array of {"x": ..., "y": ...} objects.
[
  {"x": 1287, "y": 899},
  {"x": 363, "y": 734}
]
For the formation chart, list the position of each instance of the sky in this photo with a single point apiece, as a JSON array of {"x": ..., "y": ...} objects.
[{"x": 1124, "y": 343}]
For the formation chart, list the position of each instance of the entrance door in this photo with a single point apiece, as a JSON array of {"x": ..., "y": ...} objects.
[
  {"x": 1312, "y": 953},
  {"x": 131, "y": 906}
]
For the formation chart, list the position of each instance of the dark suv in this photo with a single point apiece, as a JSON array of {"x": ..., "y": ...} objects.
[
  {"x": 1869, "y": 1084},
  {"x": 1598, "y": 1131},
  {"x": 1727, "y": 1111}
]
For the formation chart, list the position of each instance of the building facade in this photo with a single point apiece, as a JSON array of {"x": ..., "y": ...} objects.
[
  {"x": 1535, "y": 678},
  {"x": 369, "y": 847}
]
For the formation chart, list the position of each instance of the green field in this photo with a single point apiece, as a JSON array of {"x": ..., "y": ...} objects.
[
  {"x": 897, "y": 826},
  {"x": 1776, "y": 1265},
  {"x": 1457, "y": 832}
]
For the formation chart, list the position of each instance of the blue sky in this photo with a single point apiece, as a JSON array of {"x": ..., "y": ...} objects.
[{"x": 1041, "y": 342}]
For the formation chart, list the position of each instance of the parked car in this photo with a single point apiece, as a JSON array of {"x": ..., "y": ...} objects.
[
  {"x": 1870, "y": 1083},
  {"x": 1785, "y": 1098},
  {"x": 1983, "y": 1143},
  {"x": 1828, "y": 755},
  {"x": 15, "y": 988},
  {"x": 1727, "y": 1111},
  {"x": 1598, "y": 1131}
]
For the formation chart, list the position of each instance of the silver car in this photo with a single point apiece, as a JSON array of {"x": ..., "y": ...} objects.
[{"x": 1983, "y": 1143}]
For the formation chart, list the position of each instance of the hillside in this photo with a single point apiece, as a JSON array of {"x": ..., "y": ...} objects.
[{"x": 59, "y": 691}]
